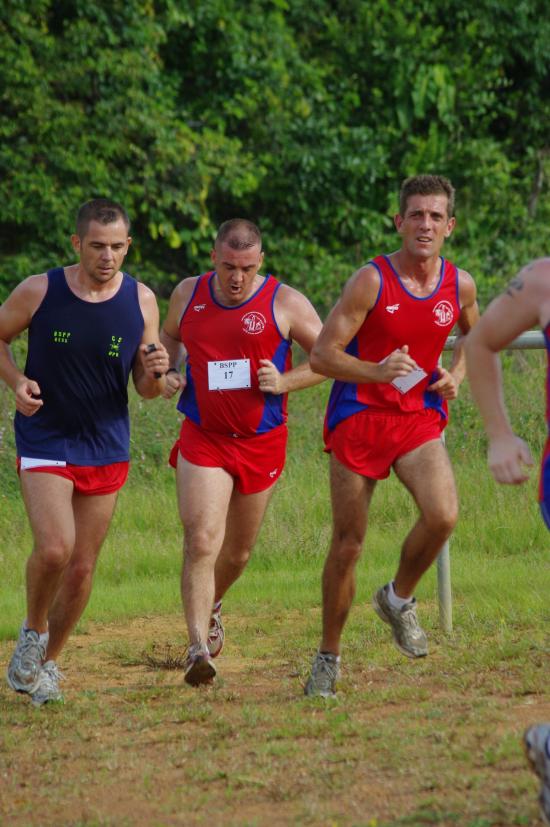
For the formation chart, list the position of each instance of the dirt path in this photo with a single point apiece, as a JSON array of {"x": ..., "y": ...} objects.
[{"x": 435, "y": 742}]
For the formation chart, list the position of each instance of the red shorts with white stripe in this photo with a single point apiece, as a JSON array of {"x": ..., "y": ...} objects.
[
  {"x": 369, "y": 442},
  {"x": 256, "y": 462},
  {"x": 90, "y": 480}
]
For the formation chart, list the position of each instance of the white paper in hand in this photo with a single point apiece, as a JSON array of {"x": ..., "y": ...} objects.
[{"x": 405, "y": 383}]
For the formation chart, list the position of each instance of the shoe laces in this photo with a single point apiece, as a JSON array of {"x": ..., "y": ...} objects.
[
  {"x": 325, "y": 668},
  {"x": 51, "y": 674},
  {"x": 31, "y": 649},
  {"x": 408, "y": 615}
]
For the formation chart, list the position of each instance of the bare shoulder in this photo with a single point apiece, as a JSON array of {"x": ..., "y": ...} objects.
[
  {"x": 467, "y": 289},
  {"x": 362, "y": 288},
  {"x": 145, "y": 294},
  {"x": 523, "y": 305},
  {"x": 296, "y": 316},
  {"x": 533, "y": 279},
  {"x": 465, "y": 280},
  {"x": 183, "y": 291},
  {"x": 29, "y": 293},
  {"x": 179, "y": 300},
  {"x": 17, "y": 311},
  {"x": 147, "y": 302},
  {"x": 288, "y": 298}
]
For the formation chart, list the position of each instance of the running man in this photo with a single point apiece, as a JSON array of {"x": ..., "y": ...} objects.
[
  {"x": 525, "y": 304},
  {"x": 89, "y": 326},
  {"x": 387, "y": 409},
  {"x": 233, "y": 328}
]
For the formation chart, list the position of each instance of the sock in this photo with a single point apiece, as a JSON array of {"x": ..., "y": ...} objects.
[
  {"x": 394, "y": 599},
  {"x": 332, "y": 655},
  {"x": 44, "y": 636},
  {"x": 217, "y": 606}
]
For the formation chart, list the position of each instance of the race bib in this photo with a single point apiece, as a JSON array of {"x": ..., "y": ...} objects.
[{"x": 229, "y": 375}]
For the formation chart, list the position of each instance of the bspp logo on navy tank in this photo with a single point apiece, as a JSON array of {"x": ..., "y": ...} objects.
[{"x": 253, "y": 322}]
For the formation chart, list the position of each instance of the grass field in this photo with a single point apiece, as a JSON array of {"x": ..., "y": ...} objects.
[{"x": 404, "y": 743}]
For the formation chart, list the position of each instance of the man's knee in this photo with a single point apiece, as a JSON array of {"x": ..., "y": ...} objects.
[
  {"x": 441, "y": 521},
  {"x": 238, "y": 557},
  {"x": 80, "y": 572},
  {"x": 200, "y": 544},
  {"x": 345, "y": 551},
  {"x": 53, "y": 554}
]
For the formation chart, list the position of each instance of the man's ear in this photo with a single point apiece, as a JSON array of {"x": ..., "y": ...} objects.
[{"x": 450, "y": 226}]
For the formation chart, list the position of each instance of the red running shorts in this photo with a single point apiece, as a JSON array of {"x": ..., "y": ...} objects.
[
  {"x": 369, "y": 443},
  {"x": 256, "y": 462},
  {"x": 90, "y": 480}
]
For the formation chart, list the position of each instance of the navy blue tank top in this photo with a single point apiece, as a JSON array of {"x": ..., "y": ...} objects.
[{"x": 81, "y": 354}]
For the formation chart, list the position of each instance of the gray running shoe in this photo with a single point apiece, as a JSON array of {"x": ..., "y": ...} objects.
[
  {"x": 409, "y": 638},
  {"x": 198, "y": 667},
  {"x": 24, "y": 668},
  {"x": 216, "y": 634},
  {"x": 536, "y": 741},
  {"x": 48, "y": 685},
  {"x": 324, "y": 674}
]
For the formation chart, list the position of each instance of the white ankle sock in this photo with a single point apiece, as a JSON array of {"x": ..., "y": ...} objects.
[{"x": 394, "y": 599}]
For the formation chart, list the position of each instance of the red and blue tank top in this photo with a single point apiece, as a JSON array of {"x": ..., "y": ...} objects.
[
  {"x": 399, "y": 318},
  {"x": 224, "y": 345},
  {"x": 81, "y": 354}
]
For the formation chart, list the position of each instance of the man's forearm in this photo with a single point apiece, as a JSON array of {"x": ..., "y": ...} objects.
[
  {"x": 485, "y": 377},
  {"x": 9, "y": 372},
  {"x": 301, "y": 377}
]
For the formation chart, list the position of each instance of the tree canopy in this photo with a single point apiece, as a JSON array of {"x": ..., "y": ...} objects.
[{"x": 303, "y": 117}]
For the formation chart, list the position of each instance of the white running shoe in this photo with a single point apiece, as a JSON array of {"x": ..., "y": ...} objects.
[
  {"x": 216, "y": 633},
  {"x": 324, "y": 674},
  {"x": 536, "y": 741},
  {"x": 24, "y": 668},
  {"x": 47, "y": 688},
  {"x": 198, "y": 667},
  {"x": 408, "y": 636}
]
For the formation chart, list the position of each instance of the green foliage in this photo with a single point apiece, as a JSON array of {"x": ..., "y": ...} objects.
[{"x": 303, "y": 117}]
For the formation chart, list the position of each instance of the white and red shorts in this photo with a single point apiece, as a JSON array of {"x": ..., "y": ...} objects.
[{"x": 90, "y": 480}]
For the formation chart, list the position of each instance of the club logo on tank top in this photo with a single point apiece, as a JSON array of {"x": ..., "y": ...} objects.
[
  {"x": 254, "y": 322},
  {"x": 114, "y": 347},
  {"x": 443, "y": 313}
]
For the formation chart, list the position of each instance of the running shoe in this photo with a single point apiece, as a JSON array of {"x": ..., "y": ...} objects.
[
  {"x": 47, "y": 688},
  {"x": 408, "y": 636},
  {"x": 24, "y": 668},
  {"x": 324, "y": 674},
  {"x": 216, "y": 633},
  {"x": 536, "y": 741},
  {"x": 198, "y": 667}
]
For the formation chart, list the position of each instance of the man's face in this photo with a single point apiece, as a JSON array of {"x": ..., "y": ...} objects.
[
  {"x": 236, "y": 270},
  {"x": 102, "y": 250},
  {"x": 425, "y": 225}
]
